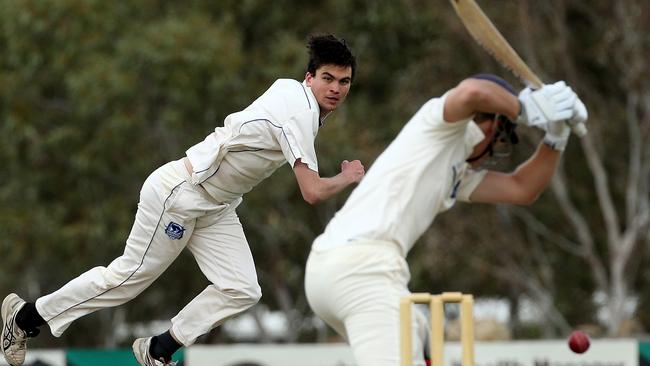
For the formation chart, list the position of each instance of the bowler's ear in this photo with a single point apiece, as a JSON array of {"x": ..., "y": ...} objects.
[{"x": 308, "y": 78}]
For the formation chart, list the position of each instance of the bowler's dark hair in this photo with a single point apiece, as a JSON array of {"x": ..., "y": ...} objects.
[{"x": 326, "y": 49}]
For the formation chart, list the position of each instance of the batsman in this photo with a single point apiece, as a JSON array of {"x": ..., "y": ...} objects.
[{"x": 357, "y": 271}]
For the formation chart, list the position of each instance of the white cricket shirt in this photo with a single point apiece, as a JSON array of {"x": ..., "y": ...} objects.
[
  {"x": 421, "y": 173},
  {"x": 280, "y": 126}
]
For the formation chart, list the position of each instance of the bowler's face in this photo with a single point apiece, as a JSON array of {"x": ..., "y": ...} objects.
[{"x": 330, "y": 86}]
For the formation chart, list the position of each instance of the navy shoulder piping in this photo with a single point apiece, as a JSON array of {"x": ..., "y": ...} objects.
[{"x": 306, "y": 96}]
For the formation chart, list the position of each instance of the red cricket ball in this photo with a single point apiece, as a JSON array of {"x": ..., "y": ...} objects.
[{"x": 578, "y": 341}]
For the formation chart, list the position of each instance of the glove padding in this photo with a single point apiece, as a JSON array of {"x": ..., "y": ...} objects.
[
  {"x": 550, "y": 103},
  {"x": 580, "y": 115},
  {"x": 557, "y": 134}
]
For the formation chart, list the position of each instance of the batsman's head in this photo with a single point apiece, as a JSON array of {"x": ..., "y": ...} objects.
[
  {"x": 501, "y": 134},
  {"x": 330, "y": 70}
]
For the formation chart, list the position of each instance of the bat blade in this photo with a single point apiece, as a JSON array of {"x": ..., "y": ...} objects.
[{"x": 489, "y": 37}]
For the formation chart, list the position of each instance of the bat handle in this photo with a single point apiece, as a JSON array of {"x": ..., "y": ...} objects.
[{"x": 579, "y": 129}]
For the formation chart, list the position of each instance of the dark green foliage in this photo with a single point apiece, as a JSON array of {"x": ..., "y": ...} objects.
[{"x": 94, "y": 95}]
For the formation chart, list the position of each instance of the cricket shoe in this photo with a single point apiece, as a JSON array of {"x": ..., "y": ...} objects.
[
  {"x": 141, "y": 352},
  {"x": 14, "y": 339}
]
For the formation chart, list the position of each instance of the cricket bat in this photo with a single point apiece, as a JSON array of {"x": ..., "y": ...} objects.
[{"x": 489, "y": 37}]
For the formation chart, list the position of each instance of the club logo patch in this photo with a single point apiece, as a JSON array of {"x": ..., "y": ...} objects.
[{"x": 174, "y": 230}]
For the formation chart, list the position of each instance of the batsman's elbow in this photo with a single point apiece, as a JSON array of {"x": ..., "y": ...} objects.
[{"x": 471, "y": 92}]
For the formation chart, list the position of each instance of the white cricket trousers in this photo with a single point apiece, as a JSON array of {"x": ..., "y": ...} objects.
[
  {"x": 172, "y": 214},
  {"x": 356, "y": 289}
]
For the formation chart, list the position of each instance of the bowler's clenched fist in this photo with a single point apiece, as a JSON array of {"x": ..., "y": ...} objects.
[{"x": 353, "y": 170}]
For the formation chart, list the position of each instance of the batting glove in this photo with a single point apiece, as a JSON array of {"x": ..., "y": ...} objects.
[
  {"x": 552, "y": 102},
  {"x": 580, "y": 115},
  {"x": 557, "y": 134}
]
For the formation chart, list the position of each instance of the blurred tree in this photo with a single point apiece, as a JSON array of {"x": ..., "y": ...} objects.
[{"x": 94, "y": 95}]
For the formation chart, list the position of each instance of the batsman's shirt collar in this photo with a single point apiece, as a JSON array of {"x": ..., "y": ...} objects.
[{"x": 473, "y": 135}]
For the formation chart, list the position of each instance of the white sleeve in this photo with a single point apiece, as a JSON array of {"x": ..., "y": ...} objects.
[
  {"x": 433, "y": 116},
  {"x": 297, "y": 140},
  {"x": 468, "y": 182}
]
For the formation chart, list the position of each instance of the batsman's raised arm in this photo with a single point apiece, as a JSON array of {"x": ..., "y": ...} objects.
[
  {"x": 478, "y": 95},
  {"x": 554, "y": 109},
  {"x": 524, "y": 184}
]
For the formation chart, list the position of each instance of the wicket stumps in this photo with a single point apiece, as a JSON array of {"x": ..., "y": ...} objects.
[{"x": 437, "y": 336}]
